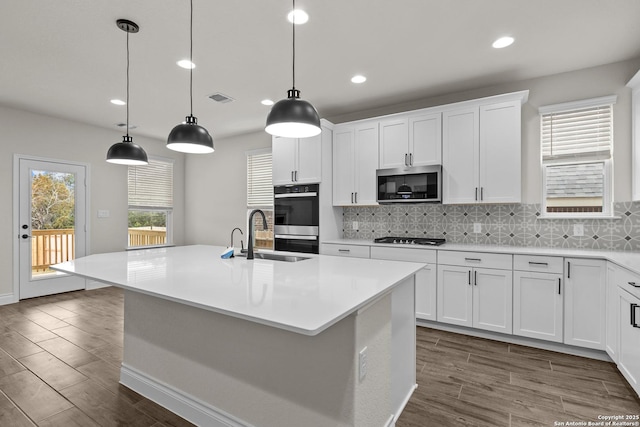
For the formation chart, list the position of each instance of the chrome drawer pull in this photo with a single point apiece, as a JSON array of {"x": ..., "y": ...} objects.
[
  {"x": 473, "y": 259},
  {"x": 538, "y": 263},
  {"x": 344, "y": 250}
]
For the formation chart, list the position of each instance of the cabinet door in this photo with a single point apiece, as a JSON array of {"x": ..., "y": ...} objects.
[
  {"x": 493, "y": 300},
  {"x": 500, "y": 159},
  {"x": 426, "y": 293},
  {"x": 613, "y": 318},
  {"x": 460, "y": 156},
  {"x": 394, "y": 143},
  {"x": 366, "y": 163},
  {"x": 455, "y": 295},
  {"x": 425, "y": 139},
  {"x": 584, "y": 303},
  {"x": 283, "y": 154},
  {"x": 537, "y": 305},
  {"x": 343, "y": 160},
  {"x": 309, "y": 168},
  {"x": 629, "y": 350}
]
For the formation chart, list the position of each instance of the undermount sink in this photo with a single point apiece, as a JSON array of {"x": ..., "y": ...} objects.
[{"x": 276, "y": 257}]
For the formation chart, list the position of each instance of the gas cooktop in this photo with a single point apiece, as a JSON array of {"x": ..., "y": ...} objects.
[{"x": 411, "y": 240}]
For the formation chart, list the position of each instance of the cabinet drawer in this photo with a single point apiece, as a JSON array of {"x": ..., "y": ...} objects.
[
  {"x": 354, "y": 251},
  {"x": 476, "y": 259},
  {"x": 543, "y": 264},
  {"x": 404, "y": 254},
  {"x": 628, "y": 281}
]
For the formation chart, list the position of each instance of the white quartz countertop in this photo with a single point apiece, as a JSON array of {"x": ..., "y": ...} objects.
[
  {"x": 629, "y": 260},
  {"x": 305, "y": 297}
]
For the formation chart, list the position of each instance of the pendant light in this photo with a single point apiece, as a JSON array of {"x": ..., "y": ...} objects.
[
  {"x": 293, "y": 117},
  {"x": 126, "y": 152},
  {"x": 189, "y": 137}
]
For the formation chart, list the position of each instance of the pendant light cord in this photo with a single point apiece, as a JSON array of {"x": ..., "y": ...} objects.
[
  {"x": 293, "y": 25},
  {"x": 191, "y": 60},
  {"x": 127, "y": 83}
]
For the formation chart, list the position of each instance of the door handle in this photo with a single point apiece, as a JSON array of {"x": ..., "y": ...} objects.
[
  {"x": 25, "y": 226},
  {"x": 25, "y": 236},
  {"x": 633, "y": 315}
]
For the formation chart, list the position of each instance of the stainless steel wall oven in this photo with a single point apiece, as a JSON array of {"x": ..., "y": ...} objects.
[{"x": 296, "y": 218}]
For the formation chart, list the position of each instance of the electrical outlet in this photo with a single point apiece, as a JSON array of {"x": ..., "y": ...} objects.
[
  {"x": 477, "y": 227},
  {"x": 362, "y": 363},
  {"x": 355, "y": 225},
  {"x": 578, "y": 230}
]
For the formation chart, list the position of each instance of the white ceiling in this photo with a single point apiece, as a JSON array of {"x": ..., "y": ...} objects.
[{"x": 67, "y": 57}]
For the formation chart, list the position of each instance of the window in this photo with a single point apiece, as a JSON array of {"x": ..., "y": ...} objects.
[
  {"x": 576, "y": 155},
  {"x": 150, "y": 190},
  {"x": 260, "y": 193}
]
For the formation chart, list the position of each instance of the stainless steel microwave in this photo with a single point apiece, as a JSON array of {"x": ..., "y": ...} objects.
[{"x": 420, "y": 184}]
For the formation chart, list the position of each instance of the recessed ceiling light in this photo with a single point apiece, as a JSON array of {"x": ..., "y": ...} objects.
[
  {"x": 301, "y": 16},
  {"x": 185, "y": 63},
  {"x": 503, "y": 42},
  {"x": 118, "y": 102},
  {"x": 358, "y": 78},
  {"x": 266, "y": 102}
]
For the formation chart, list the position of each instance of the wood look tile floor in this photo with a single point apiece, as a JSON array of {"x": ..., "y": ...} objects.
[{"x": 60, "y": 358}]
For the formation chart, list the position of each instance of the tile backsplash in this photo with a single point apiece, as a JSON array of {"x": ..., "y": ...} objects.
[{"x": 507, "y": 224}]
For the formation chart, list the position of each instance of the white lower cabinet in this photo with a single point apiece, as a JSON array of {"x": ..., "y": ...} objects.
[
  {"x": 614, "y": 273},
  {"x": 629, "y": 344},
  {"x": 584, "y": 303},
  {"x": 471, "y": 293},
  {"x": 537, "y": 297},
  {"x": 425, "y": 278}
]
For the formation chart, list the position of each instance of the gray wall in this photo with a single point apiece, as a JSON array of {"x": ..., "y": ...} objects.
[
  {"x": 43, "y": 136},
  {"x": 216, "y": 190}
]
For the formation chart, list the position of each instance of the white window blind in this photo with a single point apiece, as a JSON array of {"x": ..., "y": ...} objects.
[
  {"x": 259, "y": 181},
  {"x": 151, "y": 186},
  {"x": 585, "y": 131}
]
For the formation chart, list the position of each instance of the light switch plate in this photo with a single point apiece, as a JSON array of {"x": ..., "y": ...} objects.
[
  {"x": 578, "y": 230},
  {"x": 477, "y": 227},
  {"x": 355, "y": 225},
  {"x": 103, "y": 213}
]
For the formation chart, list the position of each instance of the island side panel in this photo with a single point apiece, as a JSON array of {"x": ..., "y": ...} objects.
[{"x": 251, "y": 374}]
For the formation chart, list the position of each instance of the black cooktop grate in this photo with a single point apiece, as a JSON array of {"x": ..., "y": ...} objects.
[{"x": 411, "y": 240}]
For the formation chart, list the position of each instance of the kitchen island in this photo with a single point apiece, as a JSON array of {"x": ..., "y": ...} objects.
[{"x": 325, "y": 341}]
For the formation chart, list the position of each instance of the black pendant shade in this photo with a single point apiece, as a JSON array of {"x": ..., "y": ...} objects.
[
  {"x": 293, "y": 117},
  {"x": 190, "y": 137},
  {"x": 127, "y": 153}
]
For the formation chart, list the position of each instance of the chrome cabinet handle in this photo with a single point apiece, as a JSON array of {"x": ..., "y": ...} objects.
[
  {"x": 292, "y": 180},
  {"x": 469, "y": 280},
  {"x": 475, "y": 278},
  {"x": 410, "y": 159},
  {"x": 473, "y": 259},
  {"x": 296, "y": 175},
  {"x": 546, "y": 264},
  {"x": 559, "y": 284},
  {"x": 633, "y": 315},
  {"x": 356, "y": 198},
  {"x": 405, "y": 160},
  {"x": 568, "y": 270},
  {"x": 476, "y": 193},
  {"x": 351, "y": 197},
  {"x": 481, "y": 193}
]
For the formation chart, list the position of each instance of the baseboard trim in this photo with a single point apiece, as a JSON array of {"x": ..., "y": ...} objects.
[
  {"x": 8, "y": 299},
  {"x": 400, "y": 409},
  {"x": 178, "y": 402},
  {"x": 513, "y": 339},
  {"x": 94, "y": 284}
]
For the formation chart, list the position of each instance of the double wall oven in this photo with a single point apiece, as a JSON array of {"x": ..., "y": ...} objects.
[{"x": 296, "y": 218}]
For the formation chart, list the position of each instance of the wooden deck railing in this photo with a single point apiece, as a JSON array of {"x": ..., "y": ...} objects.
[
  {"x": 141, "y": 237},
  {"x": 50, "y": 247}
]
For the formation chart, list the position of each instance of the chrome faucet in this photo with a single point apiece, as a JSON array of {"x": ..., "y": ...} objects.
[
  {"x": 241, "y": 244},
  {"x": 264, "y": 224}
]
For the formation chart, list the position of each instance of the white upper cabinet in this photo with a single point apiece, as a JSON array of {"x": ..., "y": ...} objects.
[
  {"x": 355, "y": 160},
  {"x": 481, "y": 156},
  {"x": 411, "y": 140},
  {"x": 634, "y": 84},
  {"x": 296, "y": 160}
]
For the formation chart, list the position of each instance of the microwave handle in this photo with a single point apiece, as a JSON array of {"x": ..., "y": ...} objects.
[{"x": 295, "y": 237}]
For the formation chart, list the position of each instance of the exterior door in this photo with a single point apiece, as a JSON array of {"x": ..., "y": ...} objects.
[{"x": 52, "y": 225}]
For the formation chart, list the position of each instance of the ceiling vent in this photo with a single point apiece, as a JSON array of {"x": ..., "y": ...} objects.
[
  {"x": 124, "y": 125},
  {"x": 221, "y": 98}
]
